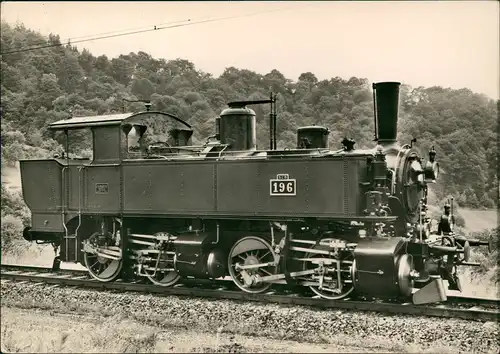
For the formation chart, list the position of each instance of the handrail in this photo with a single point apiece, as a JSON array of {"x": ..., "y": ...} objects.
[
  {"x": 80, "y": 187},
  {"x": 63, "y": 201},
  {"x": 235, "y": 155}
]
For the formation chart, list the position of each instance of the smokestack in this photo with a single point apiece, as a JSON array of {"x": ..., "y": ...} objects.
[{"x": 386, "y": 101}]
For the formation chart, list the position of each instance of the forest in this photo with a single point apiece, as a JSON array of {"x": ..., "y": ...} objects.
[{"x": 61, "y": 80}]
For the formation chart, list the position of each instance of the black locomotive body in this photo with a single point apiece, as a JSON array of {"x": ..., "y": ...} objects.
[{"x": 336, "y": 221}]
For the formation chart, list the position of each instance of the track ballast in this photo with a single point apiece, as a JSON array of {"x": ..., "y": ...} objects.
[{"x": 477, "y": 309}]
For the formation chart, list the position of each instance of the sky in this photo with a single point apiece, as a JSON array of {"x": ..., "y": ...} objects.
[{"x": 427, "y": 43}]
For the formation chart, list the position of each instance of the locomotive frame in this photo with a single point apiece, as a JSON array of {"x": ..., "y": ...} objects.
[{"x": 339, "y": 222}]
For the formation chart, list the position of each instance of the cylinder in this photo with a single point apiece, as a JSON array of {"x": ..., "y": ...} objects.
[
  {"x": 387, "y": 106},
  {"x": 312, "y": 137},
  {"x": 237, "y": 128}
]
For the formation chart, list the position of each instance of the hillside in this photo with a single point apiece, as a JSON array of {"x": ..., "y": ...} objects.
[{"x": 479, "y": 220}]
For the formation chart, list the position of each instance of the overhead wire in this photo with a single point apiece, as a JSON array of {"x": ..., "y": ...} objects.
[
  {"x": 69, "y": 39},
  {"x": 148, "y": 29}
]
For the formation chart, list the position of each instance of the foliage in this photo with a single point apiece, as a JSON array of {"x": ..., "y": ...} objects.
[
  {"x": 489, "y": 262},
  {"x": 41, "y": 86},
  {"x": 15, "y": 216}
]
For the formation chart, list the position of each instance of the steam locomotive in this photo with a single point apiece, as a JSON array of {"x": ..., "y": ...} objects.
[{"x": 340, "y": 222}]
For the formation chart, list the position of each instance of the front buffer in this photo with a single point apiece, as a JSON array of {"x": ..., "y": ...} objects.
[{"x": 382, "y": 269}]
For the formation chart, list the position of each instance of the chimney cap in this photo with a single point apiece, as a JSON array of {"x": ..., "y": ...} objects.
[{"x": 383, "y": 83}]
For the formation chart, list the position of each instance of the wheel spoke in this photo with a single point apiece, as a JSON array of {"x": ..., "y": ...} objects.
[
  {"x": 248, "y": 250},
  {"x": 261, "y": 258},
  {"x": 162, "y": 277},
  {"x": 265, "y": 271},
  {"x": 107, "y": 269},
  {"x": 330, "y": 287}
]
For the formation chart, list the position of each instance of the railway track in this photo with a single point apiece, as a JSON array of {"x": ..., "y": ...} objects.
[{"x": 467, "y": 308}]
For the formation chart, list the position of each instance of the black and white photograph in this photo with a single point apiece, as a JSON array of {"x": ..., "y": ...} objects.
[{"x": 250, "y": 176}]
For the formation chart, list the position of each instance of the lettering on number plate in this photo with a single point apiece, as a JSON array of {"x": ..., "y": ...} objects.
[
  {"x": 283, "y": 185},
  {"x": 101, "y": 188}
]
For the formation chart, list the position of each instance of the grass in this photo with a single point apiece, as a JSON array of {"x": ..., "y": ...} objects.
[
  {"x": 80, "y": 327},
  {"x": 27, "y": 331},
  {"x": 42, "y": 331},
  {"x": 24, "y": 252},
  {"x": 479, "y": 220},
  {"x": 75, "y": 334}
]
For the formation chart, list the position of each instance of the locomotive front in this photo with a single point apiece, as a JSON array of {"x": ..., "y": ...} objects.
[
  {"x": 413, "y": 257},
  {"x": 408, "y": 174}
]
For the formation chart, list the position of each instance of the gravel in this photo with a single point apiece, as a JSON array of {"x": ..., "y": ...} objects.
[{"x": 404, "y": 333}]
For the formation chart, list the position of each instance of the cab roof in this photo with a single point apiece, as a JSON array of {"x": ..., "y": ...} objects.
[
  {"x": 90, "y": 121},
  {"x": 107, "y": 120}
]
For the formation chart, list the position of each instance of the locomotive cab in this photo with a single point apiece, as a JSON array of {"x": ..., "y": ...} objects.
[{"x": 59, "y": 191}]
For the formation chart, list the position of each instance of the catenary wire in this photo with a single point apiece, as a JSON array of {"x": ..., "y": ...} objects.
[
  {"x": 69, "y": 39},
  {"x": 66, "y": 40},
  {"x": 155, "y": 28}
]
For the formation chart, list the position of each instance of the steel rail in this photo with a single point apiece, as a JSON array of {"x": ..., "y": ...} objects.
[
  {"x": 479, "y": 301},
  {"x": 480, "y": 309},
  {"x": 39, "y": 269}
]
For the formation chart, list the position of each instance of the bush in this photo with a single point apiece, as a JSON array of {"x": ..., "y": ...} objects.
[
  {"x": 13, "y": 204},
  {"x": 490, "y": 262},
  {"x": 15, "y": 216},
  {"x": 11, "y": 229}
]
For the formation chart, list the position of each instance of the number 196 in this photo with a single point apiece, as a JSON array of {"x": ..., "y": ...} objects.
[{"x": 282, "y": 187}]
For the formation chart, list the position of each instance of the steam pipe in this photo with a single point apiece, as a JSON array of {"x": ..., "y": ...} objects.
[
  {"x": 272, "y": 116},
  {"x": 275, "y": 122},
  {"x": 375, "y": 113},
  {"x": 271, "y": 123}
]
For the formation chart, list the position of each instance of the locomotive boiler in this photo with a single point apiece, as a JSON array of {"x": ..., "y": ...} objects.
[{"x": 340, "y": 222}]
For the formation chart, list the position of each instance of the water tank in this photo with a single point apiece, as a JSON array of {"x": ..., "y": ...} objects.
[
  {"x": 237, "y": 128},
  {"x": 312, "y": 137}
]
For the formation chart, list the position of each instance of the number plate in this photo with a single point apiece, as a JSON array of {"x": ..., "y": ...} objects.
[
  {"x": 282, "y": 185},
  {"x": 101, "y": 188}
]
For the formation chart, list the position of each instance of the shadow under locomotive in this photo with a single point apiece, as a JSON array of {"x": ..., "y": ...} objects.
[{"x": 340, "y": 222}]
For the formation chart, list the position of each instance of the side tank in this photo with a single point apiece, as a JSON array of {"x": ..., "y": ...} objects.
[
  {"x": 312, "y": 137},
  {"x": 237, "y": 128}
]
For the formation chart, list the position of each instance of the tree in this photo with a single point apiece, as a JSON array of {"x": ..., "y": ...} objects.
[
  {"x": 49, "y": 90},
  {"x": 142, "y": 88}
]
